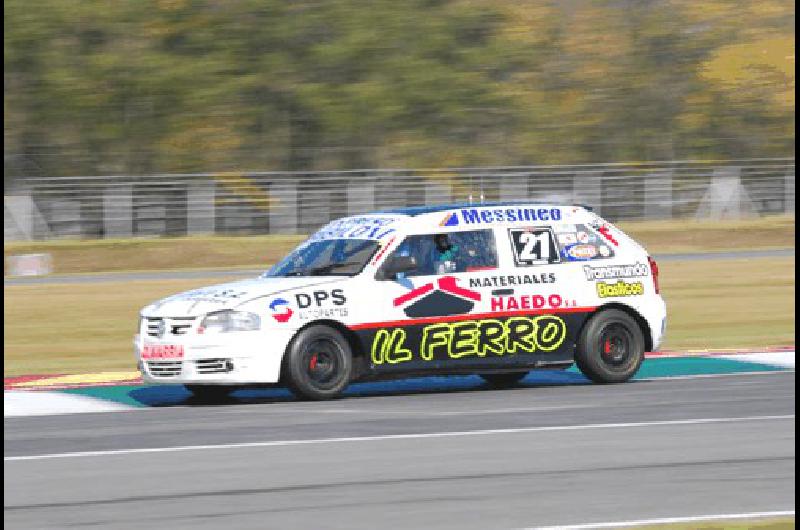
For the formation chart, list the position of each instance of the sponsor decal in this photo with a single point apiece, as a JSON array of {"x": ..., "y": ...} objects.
[
  {"x": 311, "y": 306},
  {"x": 162, "y": 351},
  {"x": 529, "y": 301},
  {"x": 356, "y": 228},
  {"x": 281, "y": 311},
  {"x": 612, "y": 272},
  {"x": 579, "y": 252},
  {"x": 323, "y": 312},
  {"x": 511, "y": 280},
  {"x": 208, "y": 294},
  {"x": 320, "y": 298},
  {"x": 605, "y": 231},
  {"x": 383, "y": 250},
  {"x": 569, "y": 238},
  {"x": 533, "y": 246},
  {"x": 472, "y": 338},
  {"x": 621, "y": 288},
  {"x": 450, "y": 220},
  {"x": 509, "y": 215},
  {"x": 315, "y": 304},
  {"x": 446, "y": 298}
]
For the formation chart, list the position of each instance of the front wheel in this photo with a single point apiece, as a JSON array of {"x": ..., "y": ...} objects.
[
  {"x": 610, "y": 348},
  {"x": 318, "y": 364}
]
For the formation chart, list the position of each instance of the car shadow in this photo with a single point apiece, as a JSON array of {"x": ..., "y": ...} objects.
[{"x": 169, "y": 395}]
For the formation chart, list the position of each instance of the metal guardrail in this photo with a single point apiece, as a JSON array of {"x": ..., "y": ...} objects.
[{"x": 300, "y": 202}]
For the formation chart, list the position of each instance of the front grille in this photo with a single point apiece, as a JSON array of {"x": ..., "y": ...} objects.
[
  {"x": 153, "y": 326},
  {"x": 213, "y": 366},
  {"x": 161, "y": 327},
  {"x": 164, "y": 368}
]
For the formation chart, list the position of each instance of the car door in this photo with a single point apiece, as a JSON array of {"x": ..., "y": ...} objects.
[{"x": 428, "y": 314}]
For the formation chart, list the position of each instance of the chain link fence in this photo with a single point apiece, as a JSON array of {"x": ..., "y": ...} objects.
[{"x": 299, "y": 203}]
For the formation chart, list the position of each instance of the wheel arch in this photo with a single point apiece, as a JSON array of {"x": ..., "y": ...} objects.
[
  {"x": 349, "y": 335},
  {"x": 637, "y": 317}
]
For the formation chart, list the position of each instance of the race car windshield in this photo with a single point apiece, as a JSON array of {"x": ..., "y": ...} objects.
[{"x": 327, "y": 257}]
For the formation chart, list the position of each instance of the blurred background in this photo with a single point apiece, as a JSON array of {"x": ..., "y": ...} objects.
[
  {"x": 175, "y": 117},
  {"x": 185, "y": 134},
  {"x": 156, "y": 146}
]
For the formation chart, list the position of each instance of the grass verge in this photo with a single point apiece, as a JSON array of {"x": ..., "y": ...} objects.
[
  {"x": 69, "y": 328},
  {"x": 257, "y": 252}
]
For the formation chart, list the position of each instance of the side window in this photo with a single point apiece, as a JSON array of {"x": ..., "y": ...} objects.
[
  {"x": 450, "y": 252},
  {"x": 533, "y": 246},
  {"x": 578, "y": 242}
]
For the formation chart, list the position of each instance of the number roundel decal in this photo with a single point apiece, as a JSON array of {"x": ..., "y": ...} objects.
[{"x": 533, "y": 246}]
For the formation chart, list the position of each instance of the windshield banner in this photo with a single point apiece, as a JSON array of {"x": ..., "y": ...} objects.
[{"x": 356, "y": 228}]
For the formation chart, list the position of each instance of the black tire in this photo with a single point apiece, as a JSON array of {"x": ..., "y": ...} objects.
[
  {"x": 210, "y": 392},
  {"x": 318, "y": 363},
  {"x": 611, "y": 347},
  {"x": 504, "y": 380}
]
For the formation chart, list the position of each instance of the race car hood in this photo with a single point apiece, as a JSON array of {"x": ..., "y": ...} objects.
[{"x": 228, "y": 295}]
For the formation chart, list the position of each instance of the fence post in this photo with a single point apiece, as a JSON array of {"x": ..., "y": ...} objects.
[
  {"x": 658, "y": 195},
  {"x": 360, "y": 195},
  {"x": 200, "y": 211},
  {"x": 587, "y": 189},
  {"x": 118, "y": 211},
  {"x": 513, "y": 188},
  {"x": 436, "y": 193},
  {"x": 283, "y": 207}
]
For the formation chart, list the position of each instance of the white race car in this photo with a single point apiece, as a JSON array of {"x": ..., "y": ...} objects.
[{"x": 492, "y": 289}]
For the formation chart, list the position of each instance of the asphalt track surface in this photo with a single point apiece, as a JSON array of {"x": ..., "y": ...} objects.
[
  {"x": 229, "y": 273},
  {"x": 524, "y": 457}
]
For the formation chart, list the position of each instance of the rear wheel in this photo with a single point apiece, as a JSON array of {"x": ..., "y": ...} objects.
[
  {"x": 504, "y": 380},
  {"x": 611, "y": 347},
  {"x": 210, "y": 392},
  {"x": 318, "y": 364}
]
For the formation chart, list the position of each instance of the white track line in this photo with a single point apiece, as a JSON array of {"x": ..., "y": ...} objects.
[
  {"x": 280, "y": 443},
  {"x": 670, "y": 520}
]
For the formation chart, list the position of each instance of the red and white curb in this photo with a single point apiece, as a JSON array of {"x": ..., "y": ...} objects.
[
  {"x": 19, "y": 403},
  {"x": 35, "y": 395},
  {"x": 783, "y": 357}
]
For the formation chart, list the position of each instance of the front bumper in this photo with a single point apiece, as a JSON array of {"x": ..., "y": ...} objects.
[{"x": 224, "y": 359}]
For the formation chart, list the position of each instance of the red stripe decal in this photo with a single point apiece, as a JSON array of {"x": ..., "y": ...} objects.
[
  {"x": 448, "y": 284},
  {"x": 474, "y": 316},
  {"x": 415, "y": 293},
  {"x": 382, "y": 251}
]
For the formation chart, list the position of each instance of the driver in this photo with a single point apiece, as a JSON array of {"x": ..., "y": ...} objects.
[{"x": 446, "y": 254}]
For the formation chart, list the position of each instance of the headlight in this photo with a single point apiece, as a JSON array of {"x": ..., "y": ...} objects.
[{"x": 225, "y": 321}]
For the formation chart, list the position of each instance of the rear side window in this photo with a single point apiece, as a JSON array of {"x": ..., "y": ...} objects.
[
  {"x": 450, "y": 252},
  {"x": 579, "y": 242}
]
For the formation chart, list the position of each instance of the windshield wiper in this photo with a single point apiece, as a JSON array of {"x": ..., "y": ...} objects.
[{"x": 329, "y": 267}]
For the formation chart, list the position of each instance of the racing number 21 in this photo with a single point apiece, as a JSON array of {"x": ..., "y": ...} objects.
[{"x": 533, "y": 246}]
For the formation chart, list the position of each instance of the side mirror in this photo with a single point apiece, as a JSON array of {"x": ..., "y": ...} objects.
[{"x": 399, "y": 264}]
